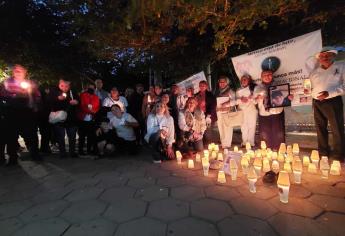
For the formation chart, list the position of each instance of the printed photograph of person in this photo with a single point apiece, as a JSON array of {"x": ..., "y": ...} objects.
[{"x": 279, "y": 96}]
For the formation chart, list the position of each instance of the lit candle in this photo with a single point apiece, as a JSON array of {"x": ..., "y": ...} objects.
[
  {"x": 282, "y": 148},
  {"x": 213, "y": 155},
  {"x": 197, "y": 157},
  {"x": 269, "y": 154},
  {"x": 258, "y": 153},
  {"x": 335, "y": 168},
  {"x": 252, "y": 178},
  {"x": 257, "y": 165},
  {"x": 284, "y": 186},
  {"x": 220, "y": 156},
  {"x": 281, "y": 157},
  {"x": 64, "y": 94},
  {"x": 205, "y": 167},
  {"x": 178, "y": 157},
  {"x": 221, "y": 177},
  {"x": 264, "y": 152},
  {"x": 289, "y": 149},
  {"x": 190, "y": 164},
  {"x": 233, "y": 169},
  {"x": 295, "y": 149},
  {"x": 263, "y": 145},
  {"x": 235, "y": 149},
  {"x": 274, "y": 155},
  {"x": 306, "y": 161},
  {"x": 275, "y": 166},
  {"x": 312, "y": 168},
  {"x": 251, "y": 153},
  {"x": 287, "y": 167},
  {"x": 289, "y": 157},
  {"x": 244, "y": 164},
  {"x": 315, "y": 157},
  {"x": 206, "y": 153},
  {"x": 216, "y": 148},
  {"x": 24, "y": 85},
  {"x": 324, "y": 167},
  {"x": 210, "y": 147},
  {"x": 266, "y": 165},
  {"x": 297, "y": 171},
  {"x": 248, "y": 146}
]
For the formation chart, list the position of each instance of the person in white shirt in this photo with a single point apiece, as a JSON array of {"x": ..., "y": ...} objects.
[
  {"x": 124, "y": 125},
  {"x": 247, "y": 104},
  {"x": 113, "y": 99},
  {"x": 192, "y": 124},
  {"x": 327, "y": 88},
  {"x": 226, "y": 100},
  {"x": 271, "y": 120},
  {"x": 160, "y": 133}
]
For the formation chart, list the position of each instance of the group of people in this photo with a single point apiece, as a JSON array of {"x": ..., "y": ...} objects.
[{"x": 166, "y": 121}]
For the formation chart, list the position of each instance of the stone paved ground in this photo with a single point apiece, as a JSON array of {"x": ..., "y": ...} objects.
[{"x": 132, "y": 196}]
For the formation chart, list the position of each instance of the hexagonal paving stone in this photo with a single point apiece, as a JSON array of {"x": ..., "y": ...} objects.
[
  {"x": 168, "y": 209},
  {"x": 333, "y": 221},
  {"x": 95, "y": 227},
  {"x": 83, "y": 183},
  {"x": 233, "y": 183},
  {"x": 157, "y": 173},
  {"x": 51, "y": 195},
  {"x": 262, "y": 192},
  {"x": 20, "y": 195},
  {"x": 244, "y": 225},
  {"x": 170, "y": 165},
  {"x": 116, "y": 194},
  {"x": 125, "y": 210},
  {"x": 143, "y": 227},
  {"x": 297, "y": 206},
  {"x": 191, "y": 226},
  {"x": 299, "y": 191},
  {"x": 171, "y": 181},
  {"x": 8, "y": 210},
  {"x": 56, "y": 181},
  {"x": 9, "y": 226},
  {"x": 133, "y": 174},
  {"x": 142, "y": 182},
  {"x": 210, "y": 209},
  {"x": 340, "y": 185},
  {"x": 200, "y": 181},
  {"x": 84, "y": 194},
  {"x": 113, "y": 181},
  {"x": 83, "y": 211},
  {"x": 51, "y": 227},
  {"x": 329, "y": 203},
  {"x": 187, "y": 193},
  {"x": 222, "y": 193},
  {"x": 152, "y": 193},
  {"x": 44, "y": 211},
  {"x": 291, "y": 225},
  {"x": 325, "y": 189},
  {"x": 183, "y": 173},
  {"x": 253, "y": 207}
]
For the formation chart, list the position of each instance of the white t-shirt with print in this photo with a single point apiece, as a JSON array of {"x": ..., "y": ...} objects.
[{"x": 123, "y": 131}]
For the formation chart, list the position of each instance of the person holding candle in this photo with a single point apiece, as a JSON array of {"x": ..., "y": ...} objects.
[
  {"x": 327, "y": 89},
  {"x": 247, "y": 104},
  {"x": 160, "y": 133},
  {"x": 271, "y": 120},
  {"x": 192, "y": 125},
  {"x": 152, "y": 97},
  {"x": 226, "y": 102},
  {"x": 64, "y": 99}
]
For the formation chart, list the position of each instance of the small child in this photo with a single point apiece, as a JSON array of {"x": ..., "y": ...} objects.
[{"x": 105, "y": 138}]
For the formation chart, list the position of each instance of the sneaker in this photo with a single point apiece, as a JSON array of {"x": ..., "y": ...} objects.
[{"x": 157, "y": 162}]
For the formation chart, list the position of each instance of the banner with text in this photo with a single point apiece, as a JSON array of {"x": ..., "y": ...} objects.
[
  {"x": 291, "y": 61},
  {"x": 192, "y": 81}
]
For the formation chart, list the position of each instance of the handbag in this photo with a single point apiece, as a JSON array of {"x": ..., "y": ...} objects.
[
  {"x": 234, "y": 117},
  {"x": 57, "y": 116}
]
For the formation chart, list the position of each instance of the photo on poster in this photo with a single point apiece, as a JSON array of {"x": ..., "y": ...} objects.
[{"x": 278, "y": 95}]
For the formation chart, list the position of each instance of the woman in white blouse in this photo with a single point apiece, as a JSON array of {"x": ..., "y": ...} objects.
[{"x": 160, "y": 133}]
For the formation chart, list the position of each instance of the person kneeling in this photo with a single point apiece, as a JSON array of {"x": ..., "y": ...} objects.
[
  {"x": 104, "y": 138},
  {"x": 160, "y": 133},
  {"x": 124, "y": 124},
  {"x": 192, "y": 124}
]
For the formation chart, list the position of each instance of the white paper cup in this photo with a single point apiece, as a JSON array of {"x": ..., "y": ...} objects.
[
  {"x": 179, "y": 160},
  {"x": 324, "y": 174},
  {"x": 252, "y": 187},
  {"x": 284, "y": 193},
  {"x": 205, "y": 168},
  {"x": 233, "y": 173},
  {"x": 297, "y": 176}
]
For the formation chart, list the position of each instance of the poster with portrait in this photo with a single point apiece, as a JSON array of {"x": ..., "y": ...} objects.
[{"x": 279, "y": 95}]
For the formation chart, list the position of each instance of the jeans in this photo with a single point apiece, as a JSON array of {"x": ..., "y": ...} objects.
[{"x": 60, "y": 132}]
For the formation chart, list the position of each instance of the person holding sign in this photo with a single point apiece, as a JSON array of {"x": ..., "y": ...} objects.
[
  {"x": 226, "y": 100},
  {"x": 246, "y": 103},
  {"x": 327, "y": 87}
]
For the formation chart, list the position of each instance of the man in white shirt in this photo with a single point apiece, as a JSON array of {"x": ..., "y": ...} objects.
[
  {"x": 115, "y": 99},
  {"x": 327, "y": 87}
]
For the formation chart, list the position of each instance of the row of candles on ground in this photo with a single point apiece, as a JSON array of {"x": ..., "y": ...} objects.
[{"x": 260, "y": 160}]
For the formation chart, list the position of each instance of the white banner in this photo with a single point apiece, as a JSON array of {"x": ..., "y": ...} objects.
[
  {"x": 291, "y": 60},
  {"x": 192, "y": 81}
]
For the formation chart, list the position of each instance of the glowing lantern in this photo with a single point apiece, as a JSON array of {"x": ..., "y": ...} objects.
[
  {"x": 213, "y": 155},
  {"x": 335, "y": 168},
  {"x": 297, "y": 171},
  {"x": 266, "y": 165},
  {"x": 252, "y": 178},
  {"x": 244, "y": 164},
  {"x": 312, "y": 168},
  {"x": 205, "y": 167},
  {"x": 257, "y": 165},
  {"x": 282, "y": 148},
  {"x": 315, "y": 157},
  {"x": 220, "y": 157},
  {"x": 248, "y": 146},
  {"x": 190, "y": 164},
  {"x": 274, "y": 155},
  {"x": 235, "y": 149},
  {"x": 287, "y": 167},
  {"x": 324, "y": 167},
  {"x": 221, "y": 177},
  {"x": 275, "y": 166},
  {"x": 281, "y": 157},
  {"x": 306, "y": 161},
  {"x": 225, "y": 151},
  {"x": 295, "y": 149},
  {"x": 263, "y": 145},
  {"x": 284, "y": 186},
  {"x": 178, "y": 157},
  {"x": 197, "y": 157},
  {"x": 233, "y": 169}
]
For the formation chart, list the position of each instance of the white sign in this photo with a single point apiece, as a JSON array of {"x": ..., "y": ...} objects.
[
  {"x": 291, "y": 60},
  {"x": 193, "y": 82}
]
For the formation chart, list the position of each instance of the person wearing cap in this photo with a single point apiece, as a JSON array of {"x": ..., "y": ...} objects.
[{"x": 327, "y": 89}]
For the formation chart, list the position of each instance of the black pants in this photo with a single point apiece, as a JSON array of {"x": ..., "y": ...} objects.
[
  {"x": 46, "y": 134},
  {"x": 157, "y": 146},
  {"x": 60, "y": 132},
  {"x": 330, "y": 110},
  {"x": 272, "y": 130},
  {"x": 87, "y": 130},
  {"x": 8, "y": 140}
]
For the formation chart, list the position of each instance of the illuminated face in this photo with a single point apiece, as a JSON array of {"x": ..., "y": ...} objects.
[
  {"x": 267, "y": 77},
  {"x": 160, "y": 108},
  {"x": 19, "y": 72},
  {"x": 64, "y": 86},
  {"x": 278, "y": 100},
  {"x": 190, "y": 92},
  {"x": 114, "y": 93},
  {"x": 116, "y": 111},
  {"x": 191, "y": 105},
  {"x": 222, "y": 83},
  {"x": 202, "y": 87},
  {"x": 165, "y": 98},
  {"x": 157, "y": 90},
  {"x": 326, "y": 58},
  {"x": 245, "y": 81}
]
